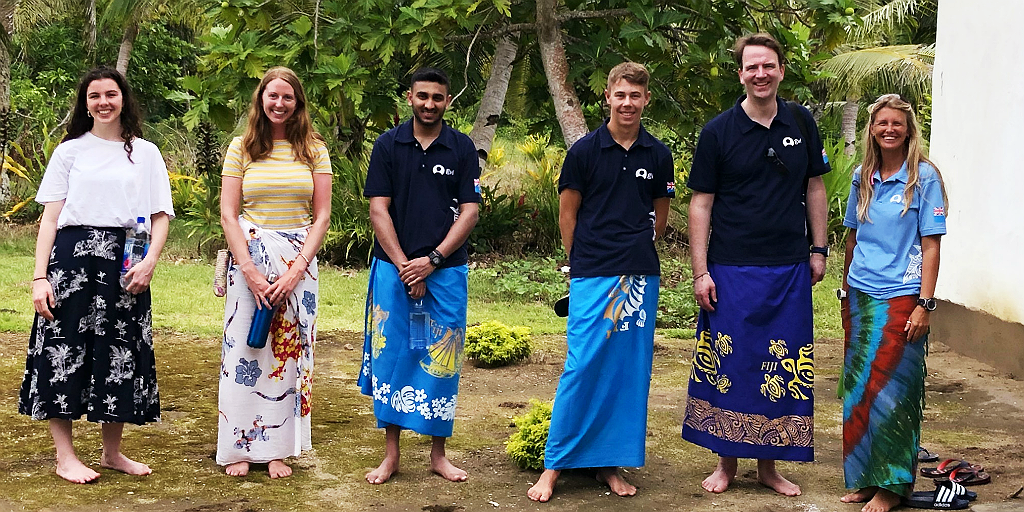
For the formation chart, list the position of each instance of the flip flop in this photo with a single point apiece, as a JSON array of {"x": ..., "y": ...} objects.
[
  {"x": 962, "y": 492},
  {"x": 944, "y": 497},
  {"x": 923, "y": 455},
  {"x": 972, "y": 475},
  {"x": 946, "y": 467},
  {"x": 561, "y": 306}
]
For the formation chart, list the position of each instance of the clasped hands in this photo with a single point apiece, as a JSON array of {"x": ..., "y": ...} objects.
[{"x": 414, "y": 273}]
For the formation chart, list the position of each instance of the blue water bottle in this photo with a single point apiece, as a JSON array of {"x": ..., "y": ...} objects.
[
  {"x": 419, "y": 326},
  {"x": 136, "y": 245},
  {"x": 259, "y": 331}
]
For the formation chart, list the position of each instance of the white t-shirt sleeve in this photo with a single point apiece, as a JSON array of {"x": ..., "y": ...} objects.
[{"x": 54, "y": 185}]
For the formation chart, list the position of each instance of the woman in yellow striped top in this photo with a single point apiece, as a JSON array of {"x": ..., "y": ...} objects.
[{"x": 278, "y": 175}]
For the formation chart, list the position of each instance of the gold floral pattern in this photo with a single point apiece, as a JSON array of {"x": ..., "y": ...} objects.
[
  {"x": 756, "y": 429},
  {"x": 707, "y": 360}
]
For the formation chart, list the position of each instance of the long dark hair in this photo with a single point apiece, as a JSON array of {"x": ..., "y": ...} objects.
[{"x": 131, "y": 120}]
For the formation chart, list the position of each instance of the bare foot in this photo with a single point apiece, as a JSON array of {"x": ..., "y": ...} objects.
[
  {"x": 545, "y": 486},
  {"x": 883, "y": 501},
  {"x": 237, "y": 469},
  {"x": 615, "y": 482},
  {"x": 724, "y": 474},
  {"x": 860, "y": 495},
  {"x": 118, "y": 462},
  {"x": 444, "y": 467},
  {"x": 387, "y": 468},
  {"x": 278, "y": 469},
  {"x": 768, "y": 476},
  {"x": 75, "y": 472}
]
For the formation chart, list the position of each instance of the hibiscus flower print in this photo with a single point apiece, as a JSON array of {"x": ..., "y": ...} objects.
[
  {"x": 247, "y": 372},
  {"x": 309, "y": 301}
]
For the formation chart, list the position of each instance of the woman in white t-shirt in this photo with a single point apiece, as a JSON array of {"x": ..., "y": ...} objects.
[{"x": 91, "y": 347}]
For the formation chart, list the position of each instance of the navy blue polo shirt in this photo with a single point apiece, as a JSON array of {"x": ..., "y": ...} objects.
[
  {"x": 615, "y": 224},
  {"x": 426, "y": 187},
  {"x": 758, "y": 216}
]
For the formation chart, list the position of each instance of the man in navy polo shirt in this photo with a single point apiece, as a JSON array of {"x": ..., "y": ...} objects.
[
  {"x": 750, "y": 392},
  {"x": 423, "y": 185},
  {"x": 615, "y": 187}
]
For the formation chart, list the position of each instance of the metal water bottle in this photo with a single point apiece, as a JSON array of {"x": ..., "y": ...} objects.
[
  {"x": 419, "y": 326},
  {"x": 136, "y": 245},
  {"x": 259, "y": 331}
]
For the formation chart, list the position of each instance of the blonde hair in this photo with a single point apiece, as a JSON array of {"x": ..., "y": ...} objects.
[
  {"x": 914, "y": 155},
  {"x": 258, "y": 138},
  {"x": 632, "y": 72}
]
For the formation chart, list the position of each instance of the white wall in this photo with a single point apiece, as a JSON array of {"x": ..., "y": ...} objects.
[{"x": 977, "y": 141}]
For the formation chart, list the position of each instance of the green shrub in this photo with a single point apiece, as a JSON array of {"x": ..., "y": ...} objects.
[
  {"x": 526, "y": 446},
  {"x": 496, "y": 344}
]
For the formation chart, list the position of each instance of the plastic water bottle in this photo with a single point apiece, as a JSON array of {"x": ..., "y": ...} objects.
[
  {"x": 419, "y": 326},
  {"x": 259, "y": 331},
  {"x": 136, "y": 245}
]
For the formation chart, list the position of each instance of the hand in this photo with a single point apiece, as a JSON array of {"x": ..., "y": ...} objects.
[
  {"x": 415, "y": 270},
  {"x": 283, "y": 287},
  {"x": 257, "y": 284},
  {"x": 42, "y": 298},
  {"x": 817, "y": 268},
  {"x": 418, "y": 290},
  {"x": 705, "y": 292},
  {"x": 917, "y": 325},
  {"x": 140, "y": 275}
]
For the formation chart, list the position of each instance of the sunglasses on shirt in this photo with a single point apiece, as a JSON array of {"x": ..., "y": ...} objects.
[{"x": 777, "y": 162}]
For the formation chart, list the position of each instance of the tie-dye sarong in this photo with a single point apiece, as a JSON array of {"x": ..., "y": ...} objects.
[
  {"x": 599, "y": 418},
  {"x": 883, "y": 384},
  {"x": 264, "y": 397},
  {"x": 414, "y": 389},
  {"x": 751, "y": 384}
]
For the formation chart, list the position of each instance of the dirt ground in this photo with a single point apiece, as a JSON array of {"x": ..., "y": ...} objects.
[{"x": 973, "y": 412}]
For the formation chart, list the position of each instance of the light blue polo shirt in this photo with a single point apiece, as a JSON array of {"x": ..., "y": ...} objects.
[{"x": 887, "y": 259}]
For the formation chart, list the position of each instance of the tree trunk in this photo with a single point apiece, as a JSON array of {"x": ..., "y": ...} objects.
[
  {"x": 493, "y": 101},
  {"x": 90, "y": 30},
  {"x": 124, "y": 54},
  {"x": 6, "y": 13},
  {"x": 556, "y": 69},
  {"x": 849, "y": 123}
]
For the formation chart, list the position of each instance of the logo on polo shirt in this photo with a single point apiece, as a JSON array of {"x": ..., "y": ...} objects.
[
  {"x": 476, "y": 186},
  {"x": 896, "y": 198},
  {"x": 670, "y": 187},
  {"x": 790, "y": 141},
  {"x": 440, "y": 169},
  {"x": 643, "y": 174},
  {"x": 939, "y": 211}
]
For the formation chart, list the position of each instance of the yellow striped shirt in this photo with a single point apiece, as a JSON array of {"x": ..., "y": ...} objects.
[{"x": 277, "y": 191}]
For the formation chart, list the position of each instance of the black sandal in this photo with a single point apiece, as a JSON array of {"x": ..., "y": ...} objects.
[{"x": 946, "y": 496}]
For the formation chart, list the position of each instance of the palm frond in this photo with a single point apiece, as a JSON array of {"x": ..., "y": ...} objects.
[{"x": 899, "y": 68}]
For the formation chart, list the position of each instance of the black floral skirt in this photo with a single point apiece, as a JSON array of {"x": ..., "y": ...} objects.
[{"x": 96, "y": 356}]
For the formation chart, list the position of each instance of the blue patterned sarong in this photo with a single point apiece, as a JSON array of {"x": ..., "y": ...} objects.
[
  {"x": 750, "y": 392},
  {"x": 414, "y": 389},
  {"x": 599, "y": 417}
]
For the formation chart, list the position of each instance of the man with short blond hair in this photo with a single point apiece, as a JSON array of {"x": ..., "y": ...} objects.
[{"x": 615, "y": 187}]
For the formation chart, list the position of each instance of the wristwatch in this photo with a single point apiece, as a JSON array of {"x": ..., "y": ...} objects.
[
  {"x": 436, "y": 259},
  {"x": 820, "y": 250},
  {"x": 840, "y": 293},
  {"x": 928, "y": 304}
]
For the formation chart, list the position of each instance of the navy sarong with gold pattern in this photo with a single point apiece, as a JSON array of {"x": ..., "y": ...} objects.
[{"x": 751, "y": 384}]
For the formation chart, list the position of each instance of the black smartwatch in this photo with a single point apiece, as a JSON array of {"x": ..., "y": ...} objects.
[
  {"x": 928, "y": 304},
  {"x": 820, "y": 250},
  {"x": 436, "y": 259}
]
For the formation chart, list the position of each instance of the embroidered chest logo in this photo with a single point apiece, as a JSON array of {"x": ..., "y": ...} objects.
[
  {"x": 443, "y": 171},
  {"x": 896, "y": 198},
  {"x": 790, "y": 141},
  {"x": 644, "y": 175}
]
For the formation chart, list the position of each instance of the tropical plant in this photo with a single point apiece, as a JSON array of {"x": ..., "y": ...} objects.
[
  {"x": 837, "y": 188},
  {"x": 525, "y": 447},
  {"x": 495, "y": 344}
]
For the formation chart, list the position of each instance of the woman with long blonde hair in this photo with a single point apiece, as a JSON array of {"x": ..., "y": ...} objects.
[
  {"x": 896, "y": 214},
  {"x": 278, "y": 175}
]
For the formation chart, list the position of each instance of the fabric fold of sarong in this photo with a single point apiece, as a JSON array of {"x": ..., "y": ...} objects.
[
  {"x": 883, "y": 383},
  {"x": 414, "y": 389},
  {"x": 751, "y": 383},
  {"x": 264, "y": 398},
  {"x": 599, "y": 418},
  {"x": 96, "y": 356}
]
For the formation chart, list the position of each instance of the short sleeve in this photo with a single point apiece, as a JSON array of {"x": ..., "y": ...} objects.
[
  {"x": 160, "y": 186},
  {"x": 664, "y": 176},
  {"x": 378, "y": 175},
  {"x": 932, "y": 214},
  {"x": 323, "y": 159},
  {"x": 54, "y": 185},
  {"x": 570, "y": 176},
  {"x": 233, "y": 166},
  {"x": 816, "y": 165},
  {"x": 469, "y": 174},
  {"x": 850, "y": 219},
  {"x": 704, "y": 171}
]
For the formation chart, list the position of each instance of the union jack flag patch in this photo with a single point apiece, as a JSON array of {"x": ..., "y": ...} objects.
[
  {"x": 670, "y": 187},
  {"x": 476, "y": 185},
  {"x": 939, "y": 211},
  {"x": 824, "y": 156}
]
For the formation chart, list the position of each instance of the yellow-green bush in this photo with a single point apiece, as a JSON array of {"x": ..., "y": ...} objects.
[
  {"x": 526, "y": 446},
  {"x": 496, "y": 344}
]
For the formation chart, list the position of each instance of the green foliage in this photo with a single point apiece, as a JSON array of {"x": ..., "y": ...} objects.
[
  {"x": 544, "y": 161},
  {"x": 350, "y": 235},
  {"x": 525, "y": 447},
  {"x": 837, "y": 188},
  {"x": 524, "y": 280},
  {"x": 27, "y": 168},
  {"x": 501, "y": 215},
  {"x": 496, "y": 344},
  {"x": 676, "y": 306}
]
